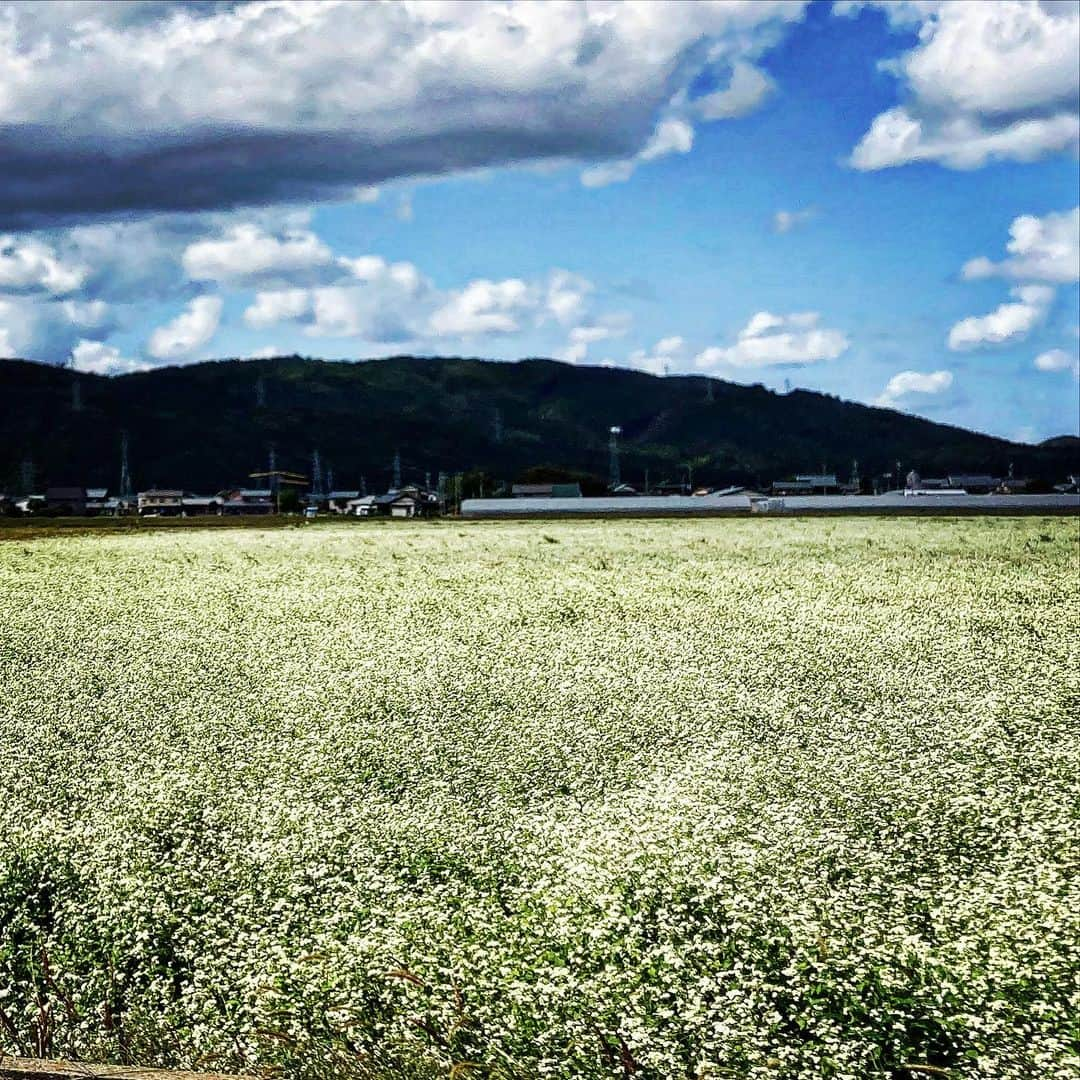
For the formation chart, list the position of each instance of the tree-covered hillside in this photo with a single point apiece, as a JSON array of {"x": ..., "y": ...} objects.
[{"x": 206, "y": 426}]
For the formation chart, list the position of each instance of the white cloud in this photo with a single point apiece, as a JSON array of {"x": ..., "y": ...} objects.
[
  {"x": 786, "y": 220},
  {"x": 1040, "y": 249},
  {"x": 672, "y": 136},
  {"x": 368, "y": 193},
  {"x": 33, "y": 266},
  {"x": 1058, "y": 360},
  {"x": 189, "y": 331},
  {"x": 484, "y": 307},
  {"x": 88, "y": 314},
  {"x": 987, "y": 81},
  {"x": 906, "y": 383},
  {"x": 247, "y": 251},
  {"x": 658, "y": 360},
  {"x": 278, "y": 305},
  {"x": 566, "y": 295},
  {"x": 748, "y": 88},
  {"x": 770, "y": 340},
  {"x": 581, "y": 337},
  {"x": 669, "y": 346},
  {"x": 394, "y": 302},
  {"x": 96, "y": 358},
  {"x": 337, "y": 97},
  {"x": 39, "y": 329},
  {"x": 1008, "y": 322}
]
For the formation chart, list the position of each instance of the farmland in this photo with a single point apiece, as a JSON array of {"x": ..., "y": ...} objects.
[{"x": 651, "y": 800}]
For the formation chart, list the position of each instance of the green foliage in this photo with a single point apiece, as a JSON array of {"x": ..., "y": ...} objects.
[
  {"x": 665, "y": 800},
  {"x": 199, "y": 426}
]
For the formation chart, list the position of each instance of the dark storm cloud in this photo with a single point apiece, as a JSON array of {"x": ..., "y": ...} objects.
[
  {"x": 119, "y": 108},
  {"x": 45, "y": 182}
]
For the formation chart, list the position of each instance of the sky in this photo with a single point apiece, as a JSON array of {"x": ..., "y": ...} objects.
[{"x": 874, "y": 200}]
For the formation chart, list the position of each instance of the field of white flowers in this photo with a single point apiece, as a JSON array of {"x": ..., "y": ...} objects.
[{"x": 636, "y": 800}]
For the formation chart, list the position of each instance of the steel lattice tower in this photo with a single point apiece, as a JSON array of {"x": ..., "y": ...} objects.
[{"x": 125, "y": 470}]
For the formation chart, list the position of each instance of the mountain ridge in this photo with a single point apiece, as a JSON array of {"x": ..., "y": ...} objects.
[{"x": 208, "y": 425}]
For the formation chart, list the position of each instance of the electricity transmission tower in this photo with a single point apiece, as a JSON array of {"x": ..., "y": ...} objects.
[
  {"x": 125, "y": 469},
  {"x": 316, "y": 476}
]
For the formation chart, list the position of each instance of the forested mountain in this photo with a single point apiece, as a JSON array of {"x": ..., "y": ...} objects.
[{"x": 209, "y": 425}]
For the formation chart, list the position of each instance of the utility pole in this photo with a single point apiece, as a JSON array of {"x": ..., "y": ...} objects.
[
  {"x": 397, "y": 470},
  {"x": 613, "y": 458}
]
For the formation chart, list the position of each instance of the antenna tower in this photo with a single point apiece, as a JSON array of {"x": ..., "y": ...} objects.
[{"x": 613, "y": 457}]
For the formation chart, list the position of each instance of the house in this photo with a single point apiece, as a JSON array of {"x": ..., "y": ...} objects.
[
  {"x": 338, "y": 501},
  {"x": 402, "y": 503},
  {"x": 199, "y": 505},
  {"x": 247, "y": 501},
  {"x": 160, "y": 502},
  {"x": 363, "y": 506},
  {"x": 1070, "y": 487},
  {"x": 66, "y": 501},
  {"x": 100, "y": 504}
]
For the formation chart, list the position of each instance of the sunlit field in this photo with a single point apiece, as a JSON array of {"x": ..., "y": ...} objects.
[{"x": 651, "y": 800}]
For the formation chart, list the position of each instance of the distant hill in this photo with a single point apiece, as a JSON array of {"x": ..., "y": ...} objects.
[{"x": 206, "y": 426}]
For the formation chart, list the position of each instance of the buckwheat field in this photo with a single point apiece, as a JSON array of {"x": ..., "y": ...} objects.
[{"x": 652, "y": 800}]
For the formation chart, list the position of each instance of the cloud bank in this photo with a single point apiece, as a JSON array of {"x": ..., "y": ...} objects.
[
  {"x": 990, "y": 80},
  {"x": 770, "y": 340},
  {"x": 119, "y": 107}
]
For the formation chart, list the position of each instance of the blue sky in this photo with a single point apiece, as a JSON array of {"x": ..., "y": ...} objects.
[{"x": 873, "y": 200}]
